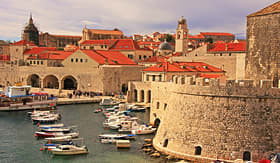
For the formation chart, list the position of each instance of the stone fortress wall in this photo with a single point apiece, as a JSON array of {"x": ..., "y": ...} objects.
[
  {"x": 104, "y": 79},
  {"x": 228, "y": 122}
]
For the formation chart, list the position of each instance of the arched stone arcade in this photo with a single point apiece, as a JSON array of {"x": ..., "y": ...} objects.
[
  {"x": 34, "y": 81},
  {"x": 69, "y": 83},
  {"x": 51, "y": 81}
]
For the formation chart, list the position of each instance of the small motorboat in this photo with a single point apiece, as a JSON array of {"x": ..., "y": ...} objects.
[
  {"x": 117, "y": 136},
  {"x": 51, "y": 129},
  {"x": 143, "y": 129},
  {"x": 59, "y": 138},
  {"x": 39, "y": 134},
  {"x": 98, "y": 110},
  {"x": 58, "y": 125},
  {"x": 69, "y": 150},
  {"x": 108, "y": 102},
  {"x": 53, "y": 146}
]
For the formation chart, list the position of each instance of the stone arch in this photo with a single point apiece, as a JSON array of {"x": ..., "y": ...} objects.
[
  {"x": 157, "y": 123},
  {"x": 34, "y": 80},
  {"x": 198, "y": 150},
  {"x": 51, "y": 81},
  {"x": 246, "y": 156},
  {"x": 142, "y": 93},
  {"x": 69, "y": 82},
  {"x": 135, "y": 95},
  {"x": 165, "y": 143}
]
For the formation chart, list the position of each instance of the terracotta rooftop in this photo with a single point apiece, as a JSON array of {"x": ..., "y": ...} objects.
[
  {"x": 126, "y": 44},
  {"x": 111, "y": 57},
  {"x": 51, "y": 55},
  {"x": 183, "y": 67},
  {"x": 229, "y": 47},
  {"x": 38, "y": 50},
  {"x": 154, "y": 59},
  {"x": 274, "y": 8},
  {"x": 107, "y": 32},
  {"x": 24, "y": 42}
]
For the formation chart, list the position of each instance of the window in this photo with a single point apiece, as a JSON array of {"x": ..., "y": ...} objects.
[
  {"x": 85, "y": 60},
  {"x": 140, "y": 57},
  {"x": 105, "y": 46},
  {"x": 147, "y": 77},
  {"x": 81, "y": 60},
  {"x": 154, "y": 78},
  {"x": 126, "y": 46},
  {"x": 157, "y": 105},
  {"x": 165, "y": 143},
  {"x": 42, "y": 62},
  {"x": 159, "y": 78},
  {"x": 165, "y": 106},
  {"x": 72, "y": 60},
  {"x": 198, "y": 150},
  {"x": 229, "y": 54},
  {"x": 31, "y": 62},
  {"x": 77, "y": 59},
  {"x": 34, "y": 62},
  {"x": 92, "y": 47},
  {"x": 246, "y": 156},
  {"x": 221, "y": 54},
  {"x": 101, "y": 46},
  {"x": 130, "y": 56},
  {"x": 145, "y": 57},
  {"x": 38, "y": 62}
]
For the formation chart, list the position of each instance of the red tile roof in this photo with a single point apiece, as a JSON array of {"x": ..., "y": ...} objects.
[
  {"x": 229, "y": 47},
  {"x": 116, "y": 58},
  {"x": 155, "y": 59},
  {"x": 51, "y": 55},
  {"x": 274, "y": 8},
  {"x": 126, "y": 44},
  {"x": 111, "y": 57},
  {"x": 24, "y": 42},
  {"x": 98, "y": 42},
  {"x": 106, "y": 32},
  {"x": 148, "y": 43},
  {"x": 183, "y": 67},
  {"x": 38, "y": 50},
  {"x": 216, "y": 34}
]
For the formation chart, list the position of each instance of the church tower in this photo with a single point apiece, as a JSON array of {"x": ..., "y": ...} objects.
[
  {"x": 181, "y": 36},
  {"x": 30, "y": 32}
]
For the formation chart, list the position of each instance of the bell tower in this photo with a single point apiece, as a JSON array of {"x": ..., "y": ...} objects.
[{"x": 181, "y": 36}]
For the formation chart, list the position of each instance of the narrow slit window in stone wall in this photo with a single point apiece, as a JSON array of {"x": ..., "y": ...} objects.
[{"x": 198, "y": 150}]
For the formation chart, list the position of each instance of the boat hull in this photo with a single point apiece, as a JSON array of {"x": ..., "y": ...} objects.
[{"x": 65, "y": 153}]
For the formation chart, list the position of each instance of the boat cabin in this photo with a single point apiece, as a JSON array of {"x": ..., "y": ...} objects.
[{"x": 17, "y": 91}]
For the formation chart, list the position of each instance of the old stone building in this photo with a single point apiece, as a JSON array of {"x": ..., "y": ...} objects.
[
  {"x": 218, "y": 36},
  {"x": 263, "y": 44},
  {"x": 50, "y": 40},
  {"x": 100, "y": 34},
  {"x": 30, "y": 32}
]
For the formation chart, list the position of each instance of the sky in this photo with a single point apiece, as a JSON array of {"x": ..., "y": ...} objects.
[{"x": 131, "y": 16}]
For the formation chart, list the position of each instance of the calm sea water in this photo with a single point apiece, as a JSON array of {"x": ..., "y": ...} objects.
[{"x": 18, "y": 144}]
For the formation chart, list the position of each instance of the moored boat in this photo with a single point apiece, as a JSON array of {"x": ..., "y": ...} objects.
[
  {"x": 69, "y": 150},
  {"x": 39, "y": 134}
]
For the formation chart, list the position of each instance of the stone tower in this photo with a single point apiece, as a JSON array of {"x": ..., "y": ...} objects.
[
  {"x": 30, "y": 32},
  {"x": 181, "y": 36},
  {"x": 263, "y": 44}
]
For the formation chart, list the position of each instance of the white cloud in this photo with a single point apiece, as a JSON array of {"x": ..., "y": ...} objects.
[{"x": 145, "y": 16}]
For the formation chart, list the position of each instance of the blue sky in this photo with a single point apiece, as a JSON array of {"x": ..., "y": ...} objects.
[{"x": 130, "y": 16}]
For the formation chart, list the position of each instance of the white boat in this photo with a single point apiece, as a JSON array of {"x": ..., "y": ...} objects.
[
  {"x": 56, "y": 134},
  {"x": 114, "y": 108},
  {"x": 143, "y": 129},
  {"x": 58, "y": 125},
  {"x": 128, "y": 126},
  {"x": 69, "y": 150},
  {"x": 108, "y": 102},
  {"x": 117, "y": 136},
  {"x": 59, "y": 139},
  {"x": 51, "y": 129}
]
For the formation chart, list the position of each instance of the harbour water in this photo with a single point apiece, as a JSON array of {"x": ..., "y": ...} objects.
[{"x": 18, "y": 144}]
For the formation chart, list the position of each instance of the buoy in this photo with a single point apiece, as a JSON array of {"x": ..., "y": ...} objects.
[
  {"x": 49, "y": 149},
  {"x": 35, "y": 135},
  {"x": 41, "y": 149},
  {"x": 107, "y": 128}
]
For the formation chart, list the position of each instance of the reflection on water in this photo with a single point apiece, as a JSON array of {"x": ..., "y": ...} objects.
[{"x": 18, "y": 144}]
